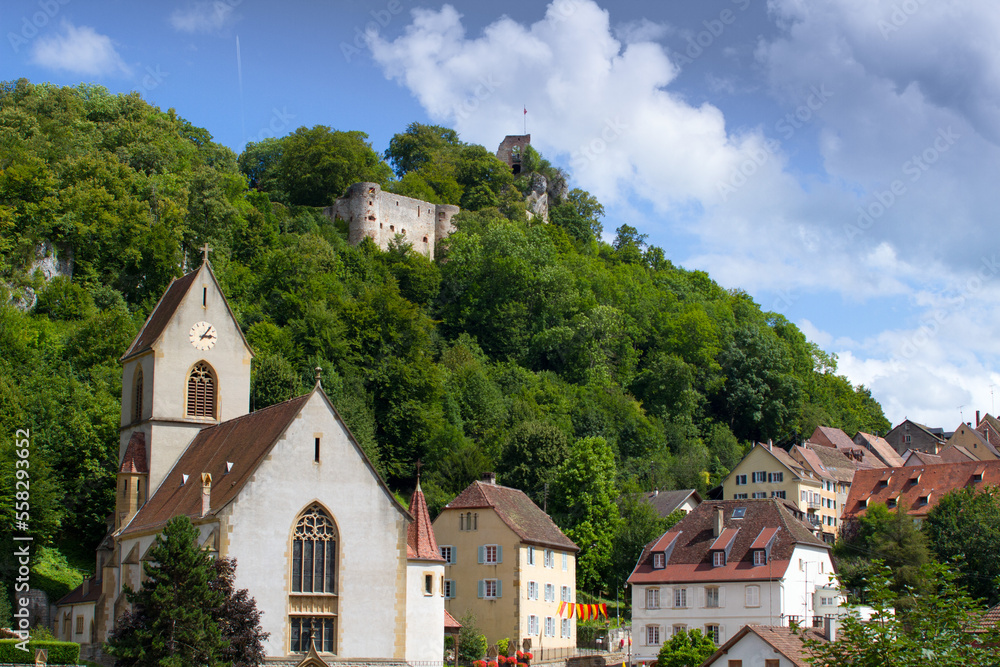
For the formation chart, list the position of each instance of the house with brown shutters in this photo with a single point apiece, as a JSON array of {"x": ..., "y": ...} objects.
[
  {"x": 508, "y": 563},
  {"x": 918, "y": 488},
  {"x": 333, "y": 560},
  {"x": 728, "y": 564},
  {"x": 909, "y": 435}
]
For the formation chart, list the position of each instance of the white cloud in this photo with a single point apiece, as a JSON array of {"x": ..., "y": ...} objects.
[
  {"x": 203, "y": 16},
  {"x": 875, "y": 178},
  {"x": 80, "y": 50}
]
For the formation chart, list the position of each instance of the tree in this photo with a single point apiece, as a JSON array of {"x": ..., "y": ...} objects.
[
  {"x": 583, "y": 494},
  {"x": 418, "y": 146},
  {"x": 685, "y": 649},
  {"x": 172, "y": 623},
  {"x": 238, "y": 618},
  {"x": 935, "y": 631},
  {"x": 890, "y": 537},
  {"x": 472, "y": 643},
  {"x": 965, "y": 527}
]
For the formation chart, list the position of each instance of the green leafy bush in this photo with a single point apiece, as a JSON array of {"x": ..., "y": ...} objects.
[{"x": 60, "y": 653}]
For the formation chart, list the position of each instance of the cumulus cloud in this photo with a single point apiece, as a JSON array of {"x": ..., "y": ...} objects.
[
  {"x": 598, "y": 101},
  {"x": 203, "y": 16},
  {"x": 80, "y": 50},
  {"x": 873, "y": 180}
]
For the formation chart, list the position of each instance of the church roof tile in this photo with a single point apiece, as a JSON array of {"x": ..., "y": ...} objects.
[
  {"x": 134, "y": 460},
  {"x": 161, "y": 314},
  {"x": 420, "y": 541},
  {"x": 515, "y": 509}
]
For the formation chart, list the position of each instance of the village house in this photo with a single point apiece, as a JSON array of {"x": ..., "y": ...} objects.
[
  {"x": 728, "y": 564},
  {"x": 510, "y": 565}
]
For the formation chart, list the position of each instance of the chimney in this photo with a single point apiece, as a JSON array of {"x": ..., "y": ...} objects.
[
  {"x": 830, "y": 628},
  {"x": 770, "y": 445},
  {"x": 489, "y": 478},
  {"x": 86, "y": 587},
  {"x": 717, "y": 526},
  {"x": 206, "y": 493},
  {"x": 977, "y": 418}
]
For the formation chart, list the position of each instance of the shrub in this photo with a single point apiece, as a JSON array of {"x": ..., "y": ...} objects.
[{"x": 60, "y": 653}]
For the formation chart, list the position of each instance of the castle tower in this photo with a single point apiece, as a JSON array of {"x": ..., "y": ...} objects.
[
  {"x": 188, "y": 368},
  {"x": 511, "y": 148}
]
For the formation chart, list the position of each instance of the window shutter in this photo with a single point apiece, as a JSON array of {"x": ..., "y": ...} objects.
[
  {"x": 499, "y": 553},
  {"x": 499, "y": 588},
  {"x": 701, "y": 596},
  {"x": 669, "y": 602},
  {"x": 565, "y": 562},
  {"x": 454, "y": 556},
  {"x": 482, "y": 588},
  {"x": 482, "y": 555},
  {"x": 722, "y": 596},
  {"x": 454, "y": 588}
]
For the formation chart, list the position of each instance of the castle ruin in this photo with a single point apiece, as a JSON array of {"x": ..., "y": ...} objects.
[
  {"x": 382, "y": 216},
  {"x": 511, "y": 148}
]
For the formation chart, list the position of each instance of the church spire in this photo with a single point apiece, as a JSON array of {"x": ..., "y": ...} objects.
[{"x": 420, "y": 540}]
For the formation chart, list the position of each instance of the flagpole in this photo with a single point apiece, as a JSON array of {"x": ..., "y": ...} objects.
[{"x": 525, "y": 115}]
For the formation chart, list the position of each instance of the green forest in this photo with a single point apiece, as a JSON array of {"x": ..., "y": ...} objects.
[{"x": 581, "y": 371}]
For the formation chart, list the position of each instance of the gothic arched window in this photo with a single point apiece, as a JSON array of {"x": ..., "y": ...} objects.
[
  {"x": 314, "y": 553},
  {"x": 201, "y": 391},
  {"x": 313, "y": 603}
]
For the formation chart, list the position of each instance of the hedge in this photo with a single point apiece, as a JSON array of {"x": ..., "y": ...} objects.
[{"x": 60, "y": 653}]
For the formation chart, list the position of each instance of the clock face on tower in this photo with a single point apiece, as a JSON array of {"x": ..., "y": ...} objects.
[{"x": 203, "y": 336}]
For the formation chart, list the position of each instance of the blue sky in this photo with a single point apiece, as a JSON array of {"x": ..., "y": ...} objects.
[{"x": 834, "y": 158}]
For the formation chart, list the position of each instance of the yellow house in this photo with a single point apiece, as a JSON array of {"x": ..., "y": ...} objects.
[
  {"x": 835, "y": 473},
  {"x": 975, "y": 443},
  {"x": 769, "y": 472},
  {"x": 510, "y": 565}
]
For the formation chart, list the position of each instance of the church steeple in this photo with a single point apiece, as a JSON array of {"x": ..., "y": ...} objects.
[
  {"x": 189, "y": 367},
  {"x": 420, "y": 540}
]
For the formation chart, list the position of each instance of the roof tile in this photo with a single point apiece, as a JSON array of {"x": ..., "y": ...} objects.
[
  {"x": 517, "y": 510},
  {"x": 420, "y": 541},
  {"x": 134, "y": 461}
]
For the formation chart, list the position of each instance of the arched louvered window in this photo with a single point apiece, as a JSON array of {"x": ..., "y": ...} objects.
[
  {"x": 314, "y": 553},
  {"x": 137, "y": 398},
  {"x": 201, "y": 391}
]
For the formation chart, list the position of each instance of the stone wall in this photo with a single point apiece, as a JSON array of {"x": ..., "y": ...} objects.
[{"x": 383, "y": 216}]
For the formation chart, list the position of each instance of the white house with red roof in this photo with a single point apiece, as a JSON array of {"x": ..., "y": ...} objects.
[{"x": 728, "y": 564}]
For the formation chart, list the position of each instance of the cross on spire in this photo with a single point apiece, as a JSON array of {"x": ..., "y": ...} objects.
[
  {"x": 420, "y": 465},
  {"x": 206, "y": 249}
]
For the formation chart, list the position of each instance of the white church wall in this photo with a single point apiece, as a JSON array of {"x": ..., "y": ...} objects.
[{"x": 372, "y": 550}]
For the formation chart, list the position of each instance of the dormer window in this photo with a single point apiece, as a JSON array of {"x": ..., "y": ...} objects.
[
  {"x": 923, "y": 500},
  {"x": 759, "y": 557},
  {"x": 890, "y": 503},
  {"x": 659, "y": 561},
  {"x": 718, "y": 558},
  {"x": 883, "y": 484}
]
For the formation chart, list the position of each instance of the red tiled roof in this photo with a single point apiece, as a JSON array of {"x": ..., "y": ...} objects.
[
  {"x": 134, "y": 460},
  {"x": 420, "y": 542},
  {"x": 450, "y": 623},
  {"x": 782, "y": 639},
  {"x": 161, "y": 314},
  {"x": 880, "y": 447},
  {"x": 831, "y": 437},
  {"x": 666, "y": 540},
  {"x": 827, "y": 462},
  {"x": 77, "y": 596},
  {"x": 918, "y": 457},
  {"x": 765, "y": 537},
  {"x": 957, "y": 454},
  {"x": 515, "y": 509},
  {"x": 243, "y": 441},
  {"x": 933, "y": 482},
  {"x": 665, "y": 502},
  {"x": 724, "y": 539},
  {"x": 690, "y": 559}
]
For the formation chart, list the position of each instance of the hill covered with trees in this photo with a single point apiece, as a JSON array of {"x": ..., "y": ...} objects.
[{"x": 535, "y": 350}]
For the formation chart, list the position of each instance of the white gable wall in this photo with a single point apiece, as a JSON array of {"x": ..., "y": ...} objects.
[
  {"x": 753, "y": 651},
  {"x": 372, "y": 551}
]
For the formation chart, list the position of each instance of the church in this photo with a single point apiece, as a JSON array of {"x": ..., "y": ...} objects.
[{"x": 332, "y": 558}]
